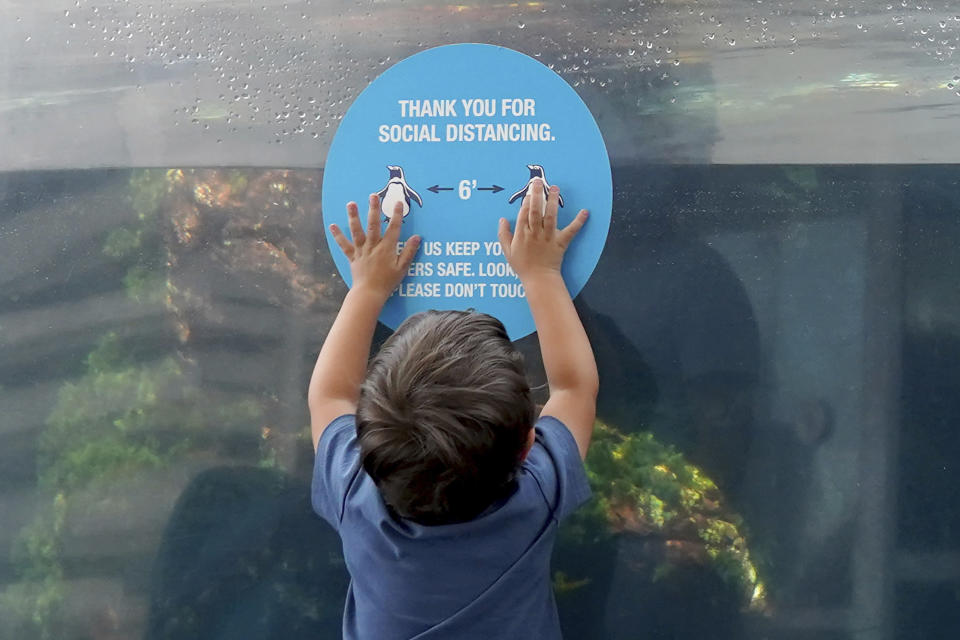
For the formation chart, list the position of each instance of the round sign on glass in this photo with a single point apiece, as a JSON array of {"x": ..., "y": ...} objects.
[{"x": 455, "y": 135}]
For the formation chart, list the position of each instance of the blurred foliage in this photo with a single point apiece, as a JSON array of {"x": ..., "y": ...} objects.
[
  {"x": 144, "y": 285},
  {"x": 644, "y": 488},
  {"x": 562, "y": 583},
  {"x": 147, "y": 189},
  {"x": 138, "y": 245},
  {"x": 124, "y": 416},
  {"x": 131, "y": 410},
  {"x": 117, "y": 420},
  {"x": 121, "y": 242},
  {"x": 238, "y": 181},
  {"x": 32, "y": 606}
]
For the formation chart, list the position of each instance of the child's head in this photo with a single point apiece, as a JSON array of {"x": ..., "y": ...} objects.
[{"x": 445, "y": 416}]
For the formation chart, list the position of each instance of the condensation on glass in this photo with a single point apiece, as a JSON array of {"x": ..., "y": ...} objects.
[{"x": 776, "y": 315}]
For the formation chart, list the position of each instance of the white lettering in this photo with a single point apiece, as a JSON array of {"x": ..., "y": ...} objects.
[
  {"x": 419, "y": 290},
  {"x": 462, "y": 248},
  {"x": 446, "y": 108},
  {"x": 454, "y": 269},
  {"x": 493, "y": 248},
  {"x": 420, "y": 269},
  {"x": 495, "y": 269},
  {"x": 408, "y": 133},
  {"x": 517, "y": 107},
  {"x": 499, "y": 132},
  {"x": 477, "y": 107},
  {"x": 511, "y": 290},
  {"x": 464, "y": 289}
]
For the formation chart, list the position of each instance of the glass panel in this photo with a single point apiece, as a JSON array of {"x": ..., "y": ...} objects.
[
  {"x": 185, "y": 83},
  {"x": 776, "y": 315}
]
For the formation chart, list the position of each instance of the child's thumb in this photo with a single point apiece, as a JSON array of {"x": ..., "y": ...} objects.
[{"x": 569, "y": 231}]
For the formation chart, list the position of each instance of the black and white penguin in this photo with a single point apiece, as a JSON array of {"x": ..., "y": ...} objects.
[
  {"x": 536, "y": 171},
  {"x": 397, "y": 190}
]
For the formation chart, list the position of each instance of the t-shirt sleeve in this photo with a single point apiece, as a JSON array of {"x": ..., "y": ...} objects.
[
  {"x": 335, "y": 467},
  {"x": 554, "y": 461}
]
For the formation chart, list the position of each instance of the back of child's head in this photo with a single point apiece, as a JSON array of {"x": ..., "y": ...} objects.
[{"x": 444, "y": 416}]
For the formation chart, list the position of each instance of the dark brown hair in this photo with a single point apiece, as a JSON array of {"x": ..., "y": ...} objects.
[{"x": 444, "y": 416}]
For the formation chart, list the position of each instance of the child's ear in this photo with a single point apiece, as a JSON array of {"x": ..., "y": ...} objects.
[{"x": 530, "y": 438}]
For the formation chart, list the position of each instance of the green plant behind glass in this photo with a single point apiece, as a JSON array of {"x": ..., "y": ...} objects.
[
  {"x": 644, "y": 488},
  {"x": 133, "y": 409}
]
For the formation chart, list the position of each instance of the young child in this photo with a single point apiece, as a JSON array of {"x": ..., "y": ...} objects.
[{"x": 444, "y": 486}]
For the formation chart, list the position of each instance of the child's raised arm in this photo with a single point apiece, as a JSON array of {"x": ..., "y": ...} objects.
[
  {"x": 377, "y": 269},
  {"x": 535, "y": 251}
]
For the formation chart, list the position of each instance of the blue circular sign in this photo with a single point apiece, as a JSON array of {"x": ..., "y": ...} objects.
[{"x": 455, "y": 134}]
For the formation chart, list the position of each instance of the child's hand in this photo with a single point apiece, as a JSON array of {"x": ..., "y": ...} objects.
[
  {"x": 537, "y": 246},
  {"x": 374, "y": 262}
]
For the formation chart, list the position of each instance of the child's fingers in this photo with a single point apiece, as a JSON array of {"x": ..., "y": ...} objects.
[
  {"x": 571, "y": 230},
  {"x": 356, "y": 231},
  {"x": 550, "y": 215},
  {"x": 408, "y": 253},
  {"x": 505, "y": 237},
  {"x": 522, "y": 226},
  {"x": 396, "y": 221},
  {"x": 373, "y": 218},
  {"x": 342, "y": 241},
  {"x": 535, "y": 217}
]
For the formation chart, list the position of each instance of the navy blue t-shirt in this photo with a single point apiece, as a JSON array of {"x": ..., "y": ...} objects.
[{"x": 486, "y": 578}]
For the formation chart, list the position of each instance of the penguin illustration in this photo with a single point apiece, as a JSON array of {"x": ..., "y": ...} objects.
[
  {"x": 536, "y": 171},
  {"x": 397, "y": 190}
]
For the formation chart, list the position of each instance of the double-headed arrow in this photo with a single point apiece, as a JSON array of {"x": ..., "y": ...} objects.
[{"x": 437, "y": 188}]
